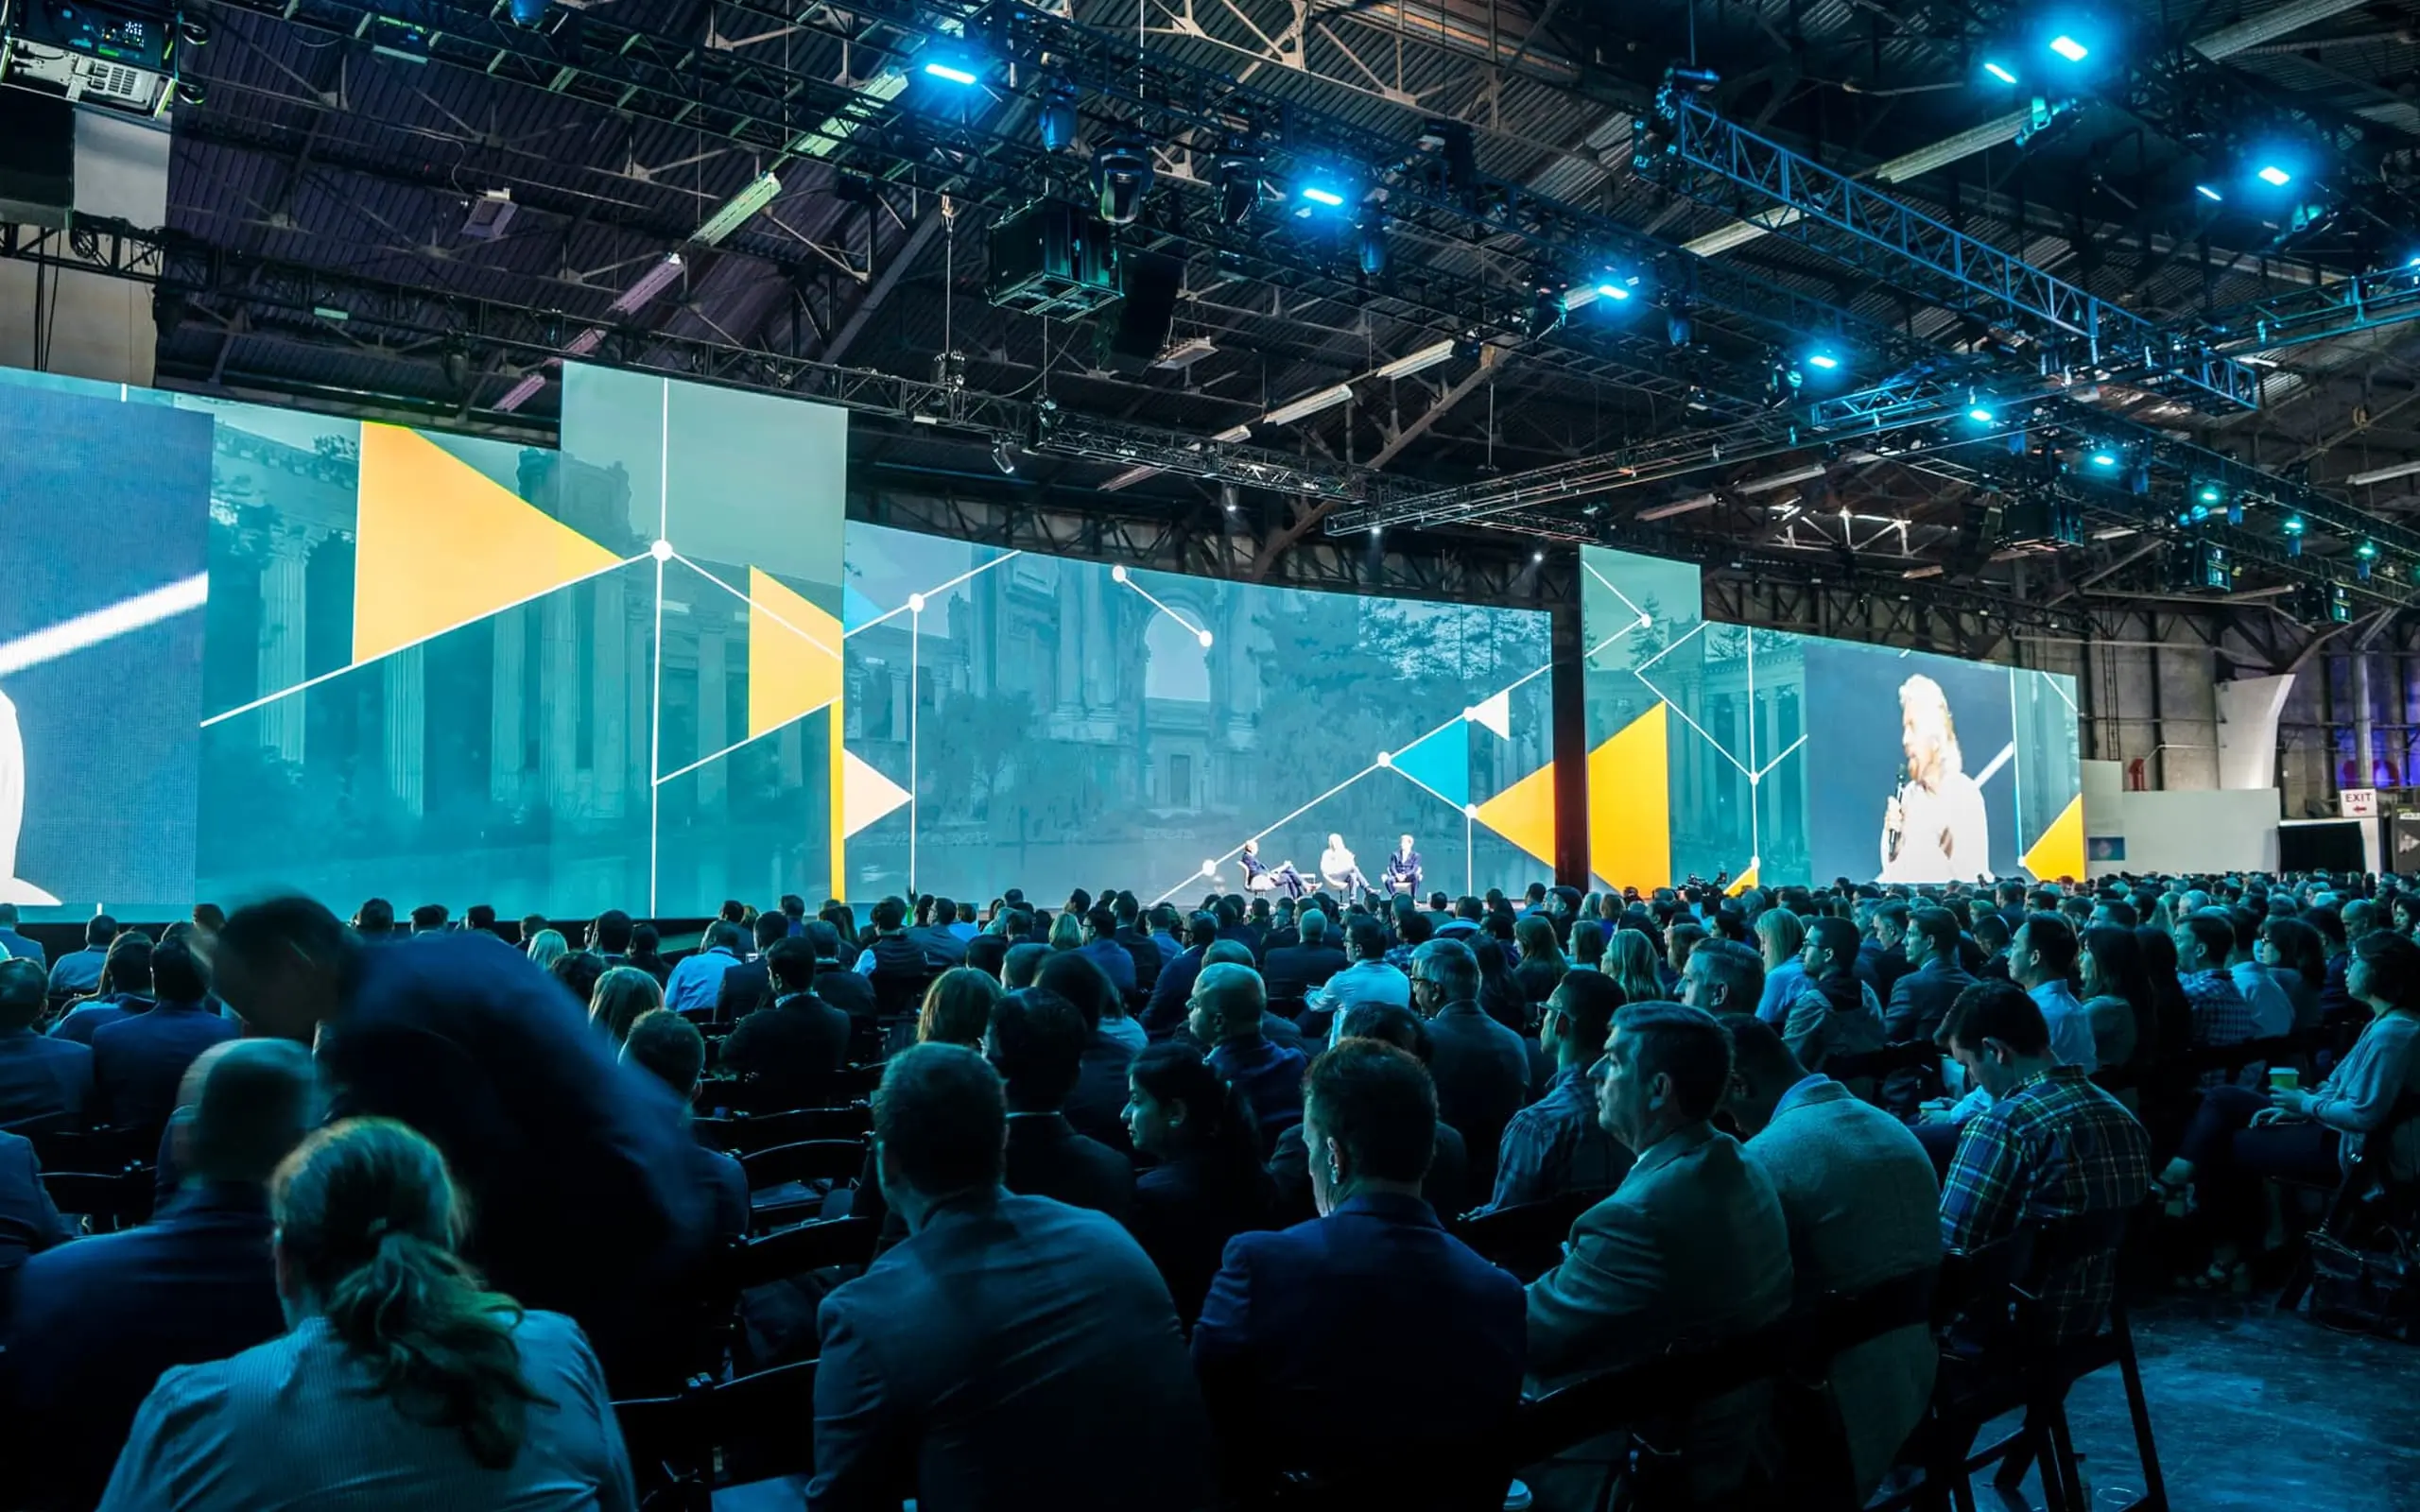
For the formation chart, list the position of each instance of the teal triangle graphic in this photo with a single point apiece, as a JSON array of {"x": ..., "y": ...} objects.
[
  {"x": 1442, "y": 761},
  {"x": 855, "y": 608}
]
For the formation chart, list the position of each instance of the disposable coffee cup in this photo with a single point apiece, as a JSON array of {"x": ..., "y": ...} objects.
[{"x": 2284, "y": 1078}]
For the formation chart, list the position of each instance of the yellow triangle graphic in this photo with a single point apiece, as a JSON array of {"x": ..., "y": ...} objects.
[
  {"x": 866, "y": 795},
  {"x": 793, "y": 655},
  {"x": 2060, "y": 851},
  {"x": 1524, "y": 814},
  {"x": 1747, "y": 879},
  {"x": 443, "y": 545},
  {"x": 1629, "y": 811}
]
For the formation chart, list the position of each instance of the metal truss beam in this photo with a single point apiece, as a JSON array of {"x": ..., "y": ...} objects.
[
  {"x": 2340, "y": 307},
  {"x": 1687, "y": 147},
  {"x": 417, "y": 324}
]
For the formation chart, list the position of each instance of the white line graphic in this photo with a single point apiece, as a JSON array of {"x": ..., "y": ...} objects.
[{"x": 108, "y": 623}]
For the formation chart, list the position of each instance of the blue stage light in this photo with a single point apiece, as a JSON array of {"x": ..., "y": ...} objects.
[
  {"x": 2273, "y": 176},
  {"x": 1982, "y": 414},
  {"x": 1321, "y": 195},
  {"x": 2103, "y": 456},
  {"x": 2209, "y": 194},
  {"x": 1822, "y": 359},
  {"x": 1610, "y": 290},
  {"x": 950, "y": 73},
  {"x": 2069, "y": 49},
  {"x": 1998, "y": 72}
]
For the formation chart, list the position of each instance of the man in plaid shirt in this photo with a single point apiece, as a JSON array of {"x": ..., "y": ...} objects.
[
  {"x": 2222, "y": 1014},
  {"x": 1557, "y": 1144},
  {"x": 2050, "y": 1145}
]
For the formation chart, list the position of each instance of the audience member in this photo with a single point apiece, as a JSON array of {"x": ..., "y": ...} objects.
[
  {"x": 1300, "y": 970},
  {"x": 1835, "y": 1014},
  {"x": 29, "y": 1222},
  {"x": 1012, "y": 1352},
  {"x": 576, "y": 1167},
  {"x": 1882, "y": 959},
  {"x": 545, "y": 948},
  {"x": 14, "y": 946},
  {"x": 2221, "y": 1015},
  {"x": 578, "y": 972},
  {"x": 646, "y": 955},
  {"x": 80, "y": 971},
  {"x": 2050, "y": 1145},
  {"x": 95, "y": 1322},
  {"x": 609, "y": 936},
  {"x": 892, "y": 955},
  {"x": 139, "y": 1061},
  {"x": 2042, "y": 960},
  {"x": 1332, "y": 1346},
  {"x": 1366, "y": 976},
  {"x": 749, "y": 986},
  {"x": 796, "y": 1047},
  {"x": 833, "y": 983},
  {"x": 1172, "y": 997},
  {"x": 1542, "y": 963},
  {"x": 1482, "y": 1068},
  {"x": 1722, "y": 977},
  {"x": 669, "y": 1048},
  {"x": 1206, "y": 1183},
  {"x": 1780, "y": 938},
  {"x": 1022, "y": 966},
  {"x": 1096, "y": 1108},
  {"x": 2273, "y": 1011},
  {"x": 1228, "y": 1013},
  {"x": 1447, "y": 1186},
  {"x": 1036, "y": 1042},
  {"x": 1920, "y": 997},
  {"x": 124, "y": 989},
  {"x": 1557, "y": 1144},
  {"x": 937, "y": 937},
  {"x": 697, "y": 980},
  {"x": 958, "y": 1008},
  {"x": 620, "y": 997},
  {"x": 1857, "y": 1192},
  {"x": 1631, "y": 961},
  {"x": 1693, "y": 1246},
  {"x": 1100, "y": 946},
  {"x": 421, "y": 1385},
  {"x": 39, "y": 1074},
  {"x": 2118, "y": 997}
]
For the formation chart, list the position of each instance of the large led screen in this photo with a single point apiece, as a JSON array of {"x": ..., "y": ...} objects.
[
  {"x": 434, "y": 667},
  {"x": 1028, "y": 721},
  {"x": 1719, "y": 751}
]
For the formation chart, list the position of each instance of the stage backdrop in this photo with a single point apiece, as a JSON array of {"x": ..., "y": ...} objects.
[
  {"x": 435, "y": 668},
  {"x": 1774, "y": 757},
  {"x": 1021, "y": 720}
]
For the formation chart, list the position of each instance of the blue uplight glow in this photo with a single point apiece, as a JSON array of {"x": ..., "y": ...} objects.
[
  {"x": 951, "y": 73},
  {"x": 1998, "y": 72},
  {"x": 2069, "y": 49},
  {"x": 1319, "y": 196}
]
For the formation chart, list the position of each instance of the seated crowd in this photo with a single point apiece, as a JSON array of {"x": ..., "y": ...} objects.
[{"x": 1158, "y": 1208}]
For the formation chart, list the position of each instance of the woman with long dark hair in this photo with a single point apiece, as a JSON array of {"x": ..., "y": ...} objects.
[
  {"x": 2172, "y": 1010},
  {"x": 2118, "y": 1002},
  {"x": 402, "y": 1385},
  {"x": 1209, "y": 1184},
  {"x": 2296, "y": 958},
  {"x": 1499, "y": 996},
  {"x": 1540, "y": 970}
]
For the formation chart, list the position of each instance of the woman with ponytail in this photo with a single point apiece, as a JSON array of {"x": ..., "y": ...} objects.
[
  {"x": 402, "y": 1382},
  {"x": 1209, "y": 1185}
]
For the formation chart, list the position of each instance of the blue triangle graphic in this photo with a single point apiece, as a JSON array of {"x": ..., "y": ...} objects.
[
  {"x": 855, "y": 608},
  {"x": 1442, "y": 761}
]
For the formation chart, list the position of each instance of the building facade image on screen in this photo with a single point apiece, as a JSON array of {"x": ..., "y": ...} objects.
[
  {"x": 101, "y": 513},
  {"x": 1764, "y": 756},
  {"x": 1021, "y": 720}
]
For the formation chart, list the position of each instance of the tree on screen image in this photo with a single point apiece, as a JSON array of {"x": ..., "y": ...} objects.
[{"x": 970, "y": 749}]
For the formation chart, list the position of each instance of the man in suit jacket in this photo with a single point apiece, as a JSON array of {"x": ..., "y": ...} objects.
[
  {"x": 1014, "y": 1352},
  {"x": 38, "y": 1074},
  {"x": 833, "y": 983},
  {"x": 1138, "y": 942},
  {"x": 1298, "y": 971},
  {"x": 669, "y": 1048},
  {"x": 139, "y": 1062},
  {"x": 14, "y": 946},
  {"x": 576, "y": 1167},
  {"x": 1882, "y": 956},
  {"x": 29, "y": 1224},
  {"x": 1692, "y": 1246},
  {"x": 1329, "y": 1346},
  {"x": 1097, "y": 1107},
  {"x": 1858, "y": 1191},
  {"x": 1482, "y": 1068},
  {"x": 1171, "y": 994},
  {"x": 1835, "y": 1014},
  {"x": 796, "y": 1047},
  {"x": 95, "y": 1322},
  {"x": 1036, "y": 1041},
  {"x": 749, "y": 986},
  {"x": 1921, "y": 998},
  {"x": 1103, "y": 949},
  {"x": 1230, "y": 1015},
  {"x": 942, "y": 945}
]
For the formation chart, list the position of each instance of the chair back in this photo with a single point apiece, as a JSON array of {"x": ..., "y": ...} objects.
[
  {"x": 1528, "y": 1239},
  {"x": 111, "y": 1148},
  {"x": 804, "y": 1161},
  {"x": 748, "y": 1133},
  {"x": 682, "y": 1447},
  {"x": 898, "y": 993},
  {"x": 797, "y": 1250},
  {"x": 107, "y": 1202}
]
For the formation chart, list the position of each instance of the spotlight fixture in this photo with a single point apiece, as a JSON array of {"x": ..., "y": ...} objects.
[
  {"x": 529, "y": 13},
  {"x": 2207, "y": 493},
  {"x": 1122, "y": 177},
  {"x": 1373, "y": 245},
  {"x": 653, "y": 282},
  {"x": 1003, "y": 454},
  {"x": 2367, "y": 551},
  {"x": 1822, "y": 359},
  {"x": 1239, "y": 178},
  {"x": 2103, "y": 456},
  {"x": 950, "y": 73},
  {"x": 1056, "y": 120},
  {"x": 2275, "y": 177},
  {"x": 2069, "y": 49},
  {"x": 1320, "y": 193},
  {"x": 2292, "y": 529},
  {"x": 2209, "y": 194},
  {"x": 1547, "y": 312},
  {"x": 1998, "y": 72}
]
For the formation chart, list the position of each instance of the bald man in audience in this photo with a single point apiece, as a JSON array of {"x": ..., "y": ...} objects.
[
  {"x": 93, "y": 1323},
  {"x": 1226, "y": 1013}
]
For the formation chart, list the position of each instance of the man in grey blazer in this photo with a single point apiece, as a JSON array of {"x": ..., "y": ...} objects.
[
  {"x": 1922, "y": 996},
  {"x": 1858, "y": 1191},
  {"x": 1013, "y": 1351},
  {"x": 1692, "y": 1246}
]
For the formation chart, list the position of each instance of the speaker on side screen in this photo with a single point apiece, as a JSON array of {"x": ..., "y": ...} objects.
[
  {"x": 1153, "y": 280},
  {"x": 37, "y": 158}
]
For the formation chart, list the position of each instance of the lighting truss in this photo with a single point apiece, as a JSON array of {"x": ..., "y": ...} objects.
[
  {"x": 2338, "y": 307},
  {"x": 1687, "y": 147},
  {"x": 279, "y": 296}
]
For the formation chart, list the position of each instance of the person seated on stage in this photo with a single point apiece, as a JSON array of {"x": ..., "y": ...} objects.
[
  {"x": 421, "y": 1384},
  {"x": 2049, "y": 1144},
  {"x": 1036, "y": 1041},
  {"x": 139, "y": 1061},
  {"x": 1835, "y": 1013},
  {"x": 669, "y": 1048},
  {"x": 1557, "y": 1144},
  {"x": 796, "y": 1048},
  {"x": 1260, "y": 877},
  {"x": 1366, "y": 976},
  {"x": 1402, "y": 873},
  {"x": 95, "y": 1322},
  {"x": 123, "y": 992},
  {"x": 1301, "y": 970},
  {"x": 1165, "y": 1014},
  {"x": 1012, "y": 1351},
  {"x": 39, "y": 1074},
  {"x": 1857, "y": 1192},
  {"x": 1693, "y": 1246},
  {"x": 1339, "y": 870},
  {"x": 1331, "y": 1346},
  {"x": 2239, "y": 1137},
  {"x": 1227, "y": 1007},
  {"x": 1206, "y": 1183}
]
